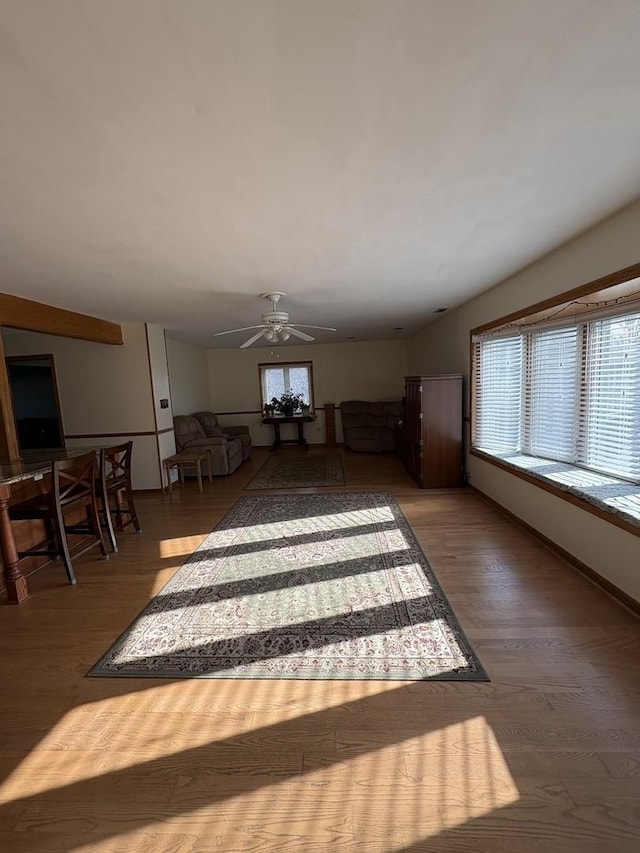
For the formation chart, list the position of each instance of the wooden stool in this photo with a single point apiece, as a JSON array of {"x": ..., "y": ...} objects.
[{"x": 187, "y": 457}]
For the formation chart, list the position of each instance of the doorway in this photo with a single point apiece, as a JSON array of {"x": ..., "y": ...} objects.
[{"x": 36, "y": 406}]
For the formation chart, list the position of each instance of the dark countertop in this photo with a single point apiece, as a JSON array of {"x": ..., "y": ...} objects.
[{"x": 34, "y": 464}]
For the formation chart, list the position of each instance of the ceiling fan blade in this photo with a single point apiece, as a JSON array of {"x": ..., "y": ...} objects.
[
  {"x": 243, "y": 329},
  {"x": 298, "y": 334},
  {"x": 307, "y": 326},
  {"x": 251, "y": 340}
]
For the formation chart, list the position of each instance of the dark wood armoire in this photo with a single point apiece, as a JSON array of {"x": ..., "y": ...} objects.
[{"x": 430, "y": 441}]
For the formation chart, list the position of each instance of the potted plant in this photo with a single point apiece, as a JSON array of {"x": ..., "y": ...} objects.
[{"x": 288, "y": 403}]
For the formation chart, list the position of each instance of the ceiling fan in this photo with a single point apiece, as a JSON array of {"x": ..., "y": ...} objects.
[{"x": 275, "y": 326}]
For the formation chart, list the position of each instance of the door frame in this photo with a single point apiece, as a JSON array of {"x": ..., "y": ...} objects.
[{"x": 50, "y": 359}]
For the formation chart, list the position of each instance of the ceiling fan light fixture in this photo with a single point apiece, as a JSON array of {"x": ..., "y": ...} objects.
[{"x": 275, "y": 326}]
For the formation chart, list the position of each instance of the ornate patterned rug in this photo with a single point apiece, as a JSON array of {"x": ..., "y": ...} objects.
[
  {"x": 289, "y": 470},
  {"x": 316, "y": 586}
]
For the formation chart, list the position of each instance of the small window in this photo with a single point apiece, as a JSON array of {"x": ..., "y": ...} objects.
[{"x": 295, "y": 377}]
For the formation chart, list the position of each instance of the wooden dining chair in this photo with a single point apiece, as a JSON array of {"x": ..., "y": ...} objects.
[
  {"x": 69, "y": 508},
  {"x": 116, "y": 494}
]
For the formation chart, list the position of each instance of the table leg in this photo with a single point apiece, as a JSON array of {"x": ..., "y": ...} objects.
[
  {"x": 276, "y": 428},
  {"x": 15, "y": 581},
  {"x": 167, "y": 468},
  {"x": 210, "y": 464},
  {"x": 301, "y": 439},
  {"x": 199, "y": 472}
]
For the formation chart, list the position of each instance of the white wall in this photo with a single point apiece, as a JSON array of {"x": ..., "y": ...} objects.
[
  {"x": 104, "y": 391},
  {"x": 102, "y": 388},
  {"x": 443, "y": 347},
  {"x": 160, "y": 388},
  {"x": 189, "y": 378},
  {"x": 159, "y": 376},
  {"x": 367, "y": 370}
]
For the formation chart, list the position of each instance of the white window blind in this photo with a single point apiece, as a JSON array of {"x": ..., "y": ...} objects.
[
  {"x": 498, "y": 394},
  {"x": 552, "y": 394},
  {"x": 610, "y": 427}
]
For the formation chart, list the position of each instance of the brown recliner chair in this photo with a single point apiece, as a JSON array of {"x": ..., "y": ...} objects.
[
  {"x": 370, "y": 426},
  {"x": 225, "y": 451},
  {"x": 209, "y": 423}
]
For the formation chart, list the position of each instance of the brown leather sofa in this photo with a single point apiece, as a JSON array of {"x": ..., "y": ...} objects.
[
  {"x": 226, "y": 450},
  {"x": 370, "y": 427},
  {"x": 209, "y": 423}
]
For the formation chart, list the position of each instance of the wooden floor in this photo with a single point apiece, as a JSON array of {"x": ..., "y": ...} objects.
[{"x": 546, "y": 757}]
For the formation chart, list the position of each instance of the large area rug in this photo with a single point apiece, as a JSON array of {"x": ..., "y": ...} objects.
[
  {"x": 287, "y": 470},
  {"x": 317, "y": 586}
]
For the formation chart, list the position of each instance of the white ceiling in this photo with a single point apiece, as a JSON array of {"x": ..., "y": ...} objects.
[{"x": 168, "y": 160}]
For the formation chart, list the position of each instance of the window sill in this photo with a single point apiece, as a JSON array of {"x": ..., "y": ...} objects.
[{"x": 617, "y": 501}]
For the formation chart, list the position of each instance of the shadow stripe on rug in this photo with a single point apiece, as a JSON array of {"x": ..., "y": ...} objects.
[
  {"x": 286, "y": 470},
  {"x": 311, "y": 586}
]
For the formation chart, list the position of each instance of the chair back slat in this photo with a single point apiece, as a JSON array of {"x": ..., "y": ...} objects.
[
  {"x": 115, "y": 464},
  {"x": 74, "y": 479}
]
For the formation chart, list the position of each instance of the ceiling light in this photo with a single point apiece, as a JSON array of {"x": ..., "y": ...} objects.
[{"x": 274, "y": 323}]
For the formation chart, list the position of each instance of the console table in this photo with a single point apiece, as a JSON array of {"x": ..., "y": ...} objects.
[{"x": 299, "y": 420}]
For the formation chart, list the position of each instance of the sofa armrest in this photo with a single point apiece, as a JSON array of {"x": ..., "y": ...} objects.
[{"x": 236, "y": 429}]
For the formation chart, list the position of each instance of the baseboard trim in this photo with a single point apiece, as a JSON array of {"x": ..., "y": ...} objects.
[
  {"x": 611, "y": 589},
  {"x": 309, "y": 446}
]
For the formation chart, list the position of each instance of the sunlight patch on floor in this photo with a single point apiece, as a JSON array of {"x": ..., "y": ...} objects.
[
  {"x": 431, "y": 635},
  {"x": 370, "y": 794},
  {"x": 180, "y": 546},
  {"x": 298, "y": 558},
  {"x": 461, "y": 771},
  {"x": 124, "y": 732},
  {"x": 273, "y": 534},
  {"x": 100, "y": 738},
  {"x": 303, "y": 525},
  {"x": 397, "y": 794}
]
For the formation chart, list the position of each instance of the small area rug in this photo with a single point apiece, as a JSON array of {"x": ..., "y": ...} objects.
[
  {"x": 318, "y": 586},
  {"x": 290, "y": 470}
]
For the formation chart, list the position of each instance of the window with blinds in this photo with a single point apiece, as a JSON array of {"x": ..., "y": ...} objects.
[
  {"x": 570, "y": 394},
  {"x": 611, "y": 420},
  {"x": 551, "y": 396},
  {"x": 498, "y": 395}
]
